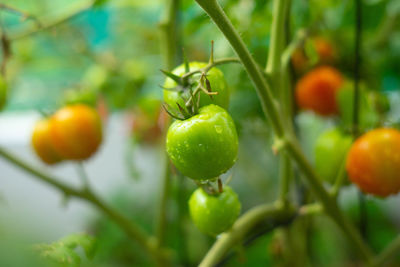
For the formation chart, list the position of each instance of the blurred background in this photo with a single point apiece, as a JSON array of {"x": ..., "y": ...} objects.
[{"x": 109, "y": 54}]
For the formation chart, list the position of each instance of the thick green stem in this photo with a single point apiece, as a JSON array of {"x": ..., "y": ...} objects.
[
  {"x": 130, "y": 228},
  {"x": 216, "y": 13},
  {"x": 162, "y": 209},
  {"x": 214, "y": 10},
  {"x": 276, "y": 72},
  {"x": 390, "y": 251},
  {"x": 241, "y": 227},
  {"x": 286, "y": 173},
  {"x": 169, "y": 31},
  {"x": 168, "y": 26},
  {"x": 277, "y": 40},
  {"x": 340, "y": 178}
]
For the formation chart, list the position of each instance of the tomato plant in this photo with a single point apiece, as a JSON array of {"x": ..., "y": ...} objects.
[
  {"x": 205, "y": 145},
  {"x": 317, "y": 90},
  {"x": 76, "y": 132},
  {"x": 214, "y": 214},
  {"x": 337, "y": 59},
  {"x": 41, "y": 142},
  {"x": 373, "y": 162}
]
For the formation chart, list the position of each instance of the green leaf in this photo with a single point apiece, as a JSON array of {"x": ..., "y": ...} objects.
[
  {"x": 63, "y": 252},
  {"x": 174, "y": 77},
  {"x": 58, "y": 253},
  {"x": 87, "y": 242}
]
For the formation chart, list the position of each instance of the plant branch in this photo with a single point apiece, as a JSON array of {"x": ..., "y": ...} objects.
[
  {"x": 80, "y": 168},
  {"x": 24, "y": 14},
  {"x": 339, "y": 179},
  {"x": 130, "y": 228},
  {"x": 276, "y": 73},
  {"x": 356, "y": 105},
  {"x": 45, "y": 25},
  {"x": 242, "y": 227},
  {"x": 286, "y": 174},
  {"x": 169, "y": 34},
  {"x": 277, "y": 39},
  {"x": 297, "y": 42},
  {"x": 162, "y": 209},
  {"x": 390, "y": 251}
]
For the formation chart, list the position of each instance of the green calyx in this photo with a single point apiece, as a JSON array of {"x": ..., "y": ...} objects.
[{"x": 191, "y": 86}]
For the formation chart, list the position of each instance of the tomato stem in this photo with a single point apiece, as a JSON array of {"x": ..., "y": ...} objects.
[
  {"x": 220, "y": 186},
  {"x": 242, "y": 227},
  {"x": 161, "y": 220}
]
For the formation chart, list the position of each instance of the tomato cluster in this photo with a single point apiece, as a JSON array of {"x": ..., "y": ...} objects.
[
  {"x": 373, "y": 160},
  {"x": 204, "y": 144},
  {"x": 72, "y": 133}
]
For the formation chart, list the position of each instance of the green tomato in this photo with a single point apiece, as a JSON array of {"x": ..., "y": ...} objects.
[
  {"x": 3, "y": 92},
  {"x": 330, "y": 153},
  {"x": 205, "y": 145},
  {"x": 214, "y": 214},
  {"x": 217, "y": 82}
]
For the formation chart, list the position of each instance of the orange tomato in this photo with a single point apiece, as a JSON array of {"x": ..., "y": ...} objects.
[
  {"x": 317, "y": 90},
  {"x": 373, "y": 162},
  {"x": 76, "y": 132},
  {"x": 41, "y": 142}
]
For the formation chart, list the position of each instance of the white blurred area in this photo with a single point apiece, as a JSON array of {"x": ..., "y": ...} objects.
[{"x": 32, "y": 208}]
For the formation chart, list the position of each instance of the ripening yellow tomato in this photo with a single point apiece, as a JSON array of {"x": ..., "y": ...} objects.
[
  {"x": 373, "y": 162},
  {"x": 76, "y": 132},
  {"x": 41, "y": 142}
]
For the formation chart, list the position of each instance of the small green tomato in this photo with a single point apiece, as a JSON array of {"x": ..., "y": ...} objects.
[
  {"x": 205, "y": 145},
  {"x": 330, "y": 153},
  {"x": 214, "y": 214},
  {"x": 217, "y": 82}
]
